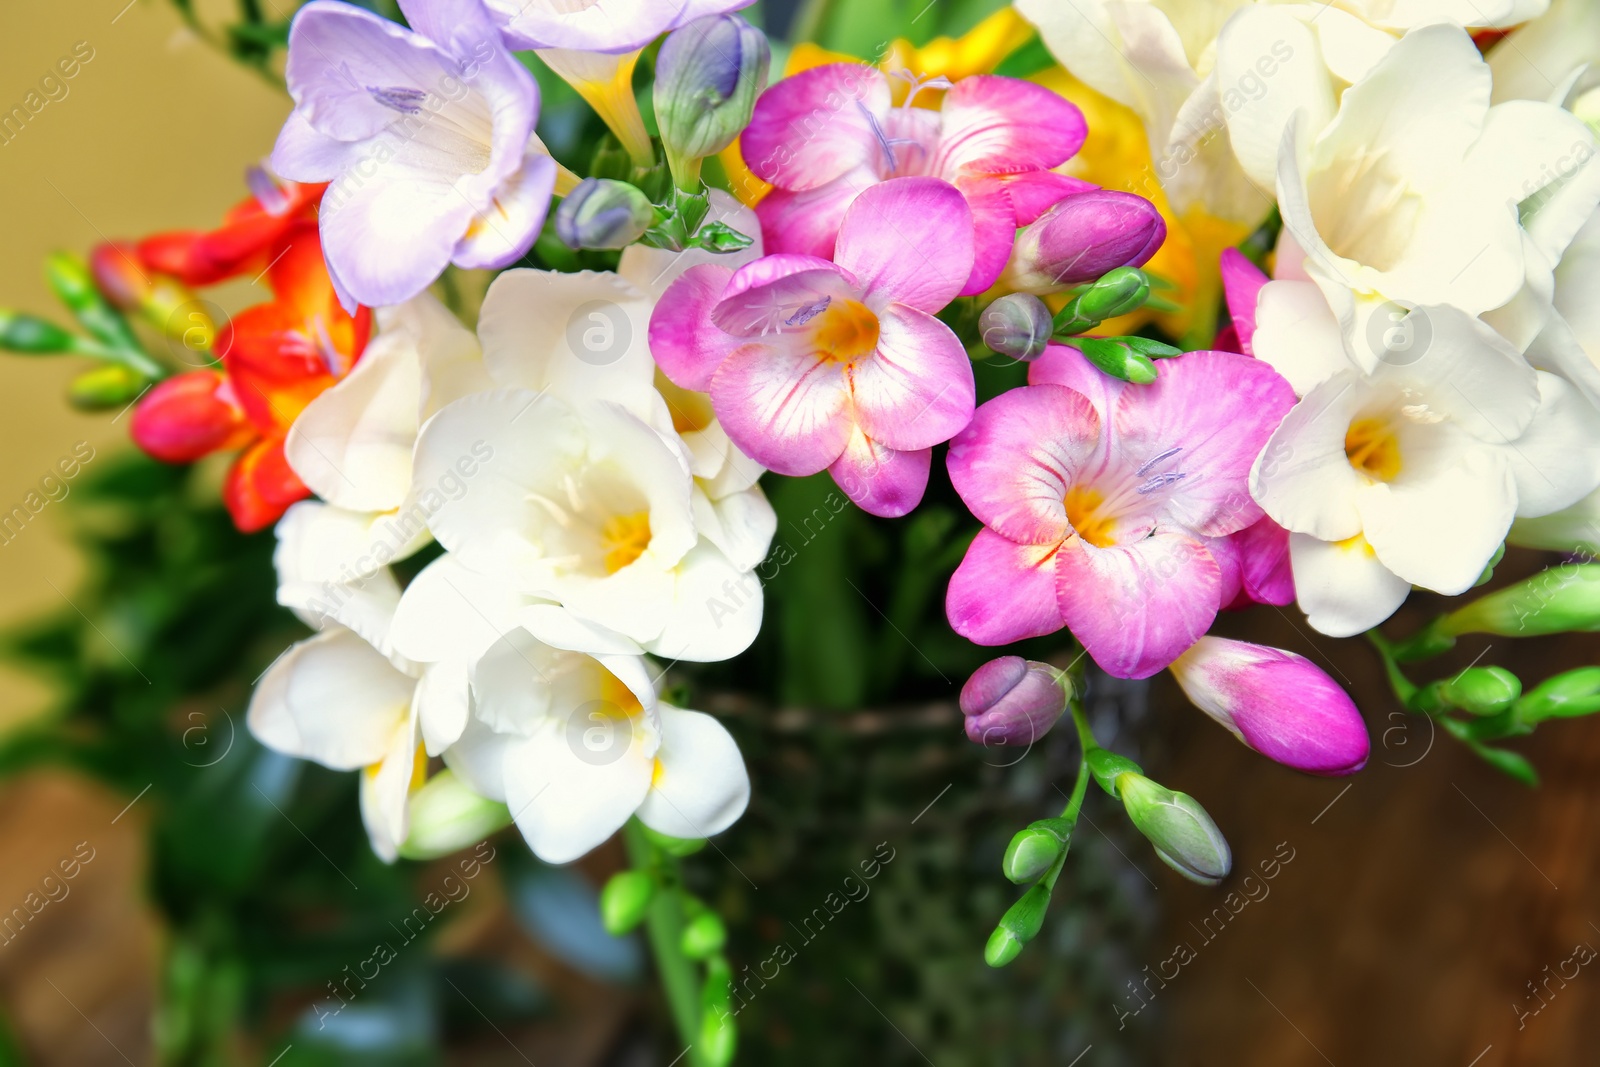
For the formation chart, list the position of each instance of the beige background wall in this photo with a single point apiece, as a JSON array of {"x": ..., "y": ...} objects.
[{"x": 154, "y": 133}]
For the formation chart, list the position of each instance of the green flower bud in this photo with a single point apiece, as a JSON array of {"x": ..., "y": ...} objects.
[
  {"x": 1032, "y": 852},
  {"x": 1566, "y": 696},
  {"x": 708, "y": 75},
  {"x": 625, "y": 900},
  {"x": 1003, "y": 947},
  {"x": 601, "y": 213},
  {"x": 445, "y": 816},
  {"x": 33, "y": 336},
  {"x": 1017, "y": 326},
  {"x": 1482, "y": 690},
  {"x": 1562, "y": 598},
  {"x": 719, "y": 1037},
  {"x": 72, "y": 283},
  {"x": 704, "y": 935},
  {"x": 1107, "y": 767},
  {"x": 1114, "y": 357},
  {"x": 105, "y": 387},
  {"x": 1117, "y": 292},
  {"x": 1183, "y": 834}
]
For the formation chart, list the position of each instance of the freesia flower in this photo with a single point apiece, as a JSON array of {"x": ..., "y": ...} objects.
[
  {"x": 826, "y": 135},
  {"x": 345, "y": 699},
  {"x": 1102, "y": 503},
  {"x": 1082, "y": 237},
  {"x": 275, "y": 358},
  {"x": 575, "y": 741},
  {"x": 426, "y": 136},
  {"x": 1280, "y": 704},
  {"x": 1408, "y": 196},
  {"x": 838, "y": 366},
  {"x": 1413, "y": 473}
]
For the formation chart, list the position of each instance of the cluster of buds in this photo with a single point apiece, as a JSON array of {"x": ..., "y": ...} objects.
[{"x": 1020, "y": 326}]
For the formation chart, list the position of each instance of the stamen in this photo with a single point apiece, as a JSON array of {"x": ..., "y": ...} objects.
[
  {"x": 918, "y": 83},
  {"x": 877, "y": 131},
  {"x": 809, "y": 312},
  {"x": 556, "y": 512},
  {"x": 1168, "y": 454},
  {"x": 331, "y": 357},
  {"x": 1160, "y": 481},
  {"x": 399, "y": 98}
]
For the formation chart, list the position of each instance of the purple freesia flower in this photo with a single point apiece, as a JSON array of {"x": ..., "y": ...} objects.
[
  {"x": 426, "y": 136},
  {"x": 600, "y": 25}
]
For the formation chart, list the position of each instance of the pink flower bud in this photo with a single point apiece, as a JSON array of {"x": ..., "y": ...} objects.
[
  {"x": 1081, "y": 238},
  {"x": 1280, "y": 704},
  {"x": 1012, "y": 701}
]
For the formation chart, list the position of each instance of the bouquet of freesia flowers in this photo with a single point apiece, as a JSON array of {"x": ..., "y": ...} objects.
[{"x": 1194, "y": 307}]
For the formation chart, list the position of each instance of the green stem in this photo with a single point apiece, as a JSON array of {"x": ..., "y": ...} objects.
[
  {"x": 665, "y": 928},
  {"x": 808, "y": 22},
  {"x": 1403, "y": 687}
]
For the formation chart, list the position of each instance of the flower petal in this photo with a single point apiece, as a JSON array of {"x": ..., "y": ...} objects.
[
  {"x": 503, "y": 234},
  {"x": 917, "y": 389},
  {"x": 1004, "y": 125},
  {"x": 814, "y": 127},
  {"x": 687, "y": 345},
  {"x": 909, "y": 240},
  {"x": 1341, "y": 586},
  {"x": 1023, "y": 450},
  {"x": 702, "y": 786},
  {"x": 789, "y": 411},
  {"x": 882, "y": 481},
  {"x": 567, "y": 798},
  {"x": 1004, "y": 592},
  {"x": 332, "y": 698},
  {"x": 1137, "y": 607}
]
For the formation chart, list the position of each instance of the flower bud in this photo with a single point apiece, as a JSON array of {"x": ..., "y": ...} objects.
[
  {"x": 1482, "y": 690},
  {"x": 625, "y": 899},
  {"x": 32, "y": 336},
  {"x": 1117, "y": 358},
  {"x": 704, "y": 935},
  {"x": 601, "y": 213},
  {"x": 1562, "y": 598},
  {"x": 444, "y": 816},
  {"x": 1566, "y": 696},
  {"x": 1183, "y": 834},
  {"x": 1018, "y": 325},
  {"x": 132, "y": 288},
  {"x": 1020, "y": 924},
  {"x": 1083, "y": 237},
  {"x": 1012, "y": 701},
  {"x": 1280, "y": 704},
  {"x": 708, "y": 75},
  {"x": 1033, "y": 851},
  {"x": 108, "y": 386}
]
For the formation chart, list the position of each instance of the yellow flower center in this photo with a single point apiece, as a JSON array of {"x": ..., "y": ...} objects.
[
  {"x": 1085, "y": 514},
  {"x": 625, "y": 538},
  {"x": 1373, "y": 449},
  {"x": 845, "y": 331}
]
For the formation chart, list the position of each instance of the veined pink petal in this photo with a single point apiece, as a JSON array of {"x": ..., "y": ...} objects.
[
  {"x": 686, "y": 345},
  {"x": 807, "y": 223},
  {"x": 1003, "y": 125},
  {"x": 1021, "y": 453},
  {"x": 1217, "y": 409},
  {"x": 779, "y": 294},
  {"x": 909, "y": 240},
  {"x": 787, "y": 410},
  {"x": 916, "y": 390},
  {"x": 1264, "y": 562},
  {"x": 1242, "y": 281},
  {"x": 994, "y": 228},
  {"x": 810, "y": 129},
  {"x": 1003, "y": 591},
  {"x": 1139, "y": 606},
  {"x": 881, "y": 480}
]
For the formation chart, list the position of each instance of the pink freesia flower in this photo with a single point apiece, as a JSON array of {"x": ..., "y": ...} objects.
[
  {"x": 1280, "y": 704},
  {"x": 838, "y": 366},
  {"x": 827, "y": 134},
  {"x": 1104, "y": 503}
]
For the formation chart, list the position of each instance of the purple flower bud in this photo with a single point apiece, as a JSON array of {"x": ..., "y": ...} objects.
[
  {"x": 1083, "y": 237},
  {"x": 1280, "y": 704},
  {"x": 1012, "y": 701}
]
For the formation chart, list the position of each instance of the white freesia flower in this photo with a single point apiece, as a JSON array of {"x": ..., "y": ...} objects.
[
  {"x": 572, "y": 737},
  {"x": 345, "y": 699},
  {"x": 1410, "y": 196},
  {"x": 1410, "y": 474}
]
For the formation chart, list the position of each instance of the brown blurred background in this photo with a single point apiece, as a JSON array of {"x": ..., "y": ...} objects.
[{"x": 1426, "y": 899}]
